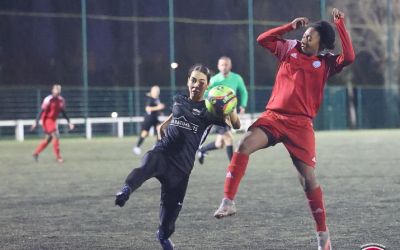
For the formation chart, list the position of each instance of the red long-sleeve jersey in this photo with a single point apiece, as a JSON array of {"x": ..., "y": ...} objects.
[
  {"x": 52, "y": 106},
  {"x": 300, "y": 79}
]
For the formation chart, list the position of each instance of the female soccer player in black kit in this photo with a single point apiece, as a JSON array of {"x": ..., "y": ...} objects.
[{"x": 172, "y": 158}]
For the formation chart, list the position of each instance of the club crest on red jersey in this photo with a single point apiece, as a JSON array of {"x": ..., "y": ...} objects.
[
  {"x": 373, "y": 246},
  {"x": 316, "y": 64}
]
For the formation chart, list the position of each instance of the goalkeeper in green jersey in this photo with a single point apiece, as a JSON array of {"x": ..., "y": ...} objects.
[{"x": 234, "y": 81}]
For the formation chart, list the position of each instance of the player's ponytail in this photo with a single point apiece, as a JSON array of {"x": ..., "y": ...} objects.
[
  {"x": 326, "y": 33},
  {"x": 201, "y": 68}
]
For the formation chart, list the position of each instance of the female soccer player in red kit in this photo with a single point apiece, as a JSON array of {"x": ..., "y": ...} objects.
[
  {"x": 52, "y": 106},
  {"x": 303, "y": 69}
]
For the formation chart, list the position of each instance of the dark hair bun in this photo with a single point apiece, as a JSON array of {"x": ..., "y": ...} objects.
[{"x": 201, "y": 68}]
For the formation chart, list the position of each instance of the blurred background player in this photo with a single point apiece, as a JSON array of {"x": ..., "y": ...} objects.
[
  {"x": 153, "y": 108},
  {"x": 303, "y": 69},
  {"x": 234, "y": 81},
  {"x": 171, "y": 160},
  {"x": 52, "y": 106}
]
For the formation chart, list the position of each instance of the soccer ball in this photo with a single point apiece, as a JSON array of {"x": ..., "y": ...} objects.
[{"x": 221, "y": 100}]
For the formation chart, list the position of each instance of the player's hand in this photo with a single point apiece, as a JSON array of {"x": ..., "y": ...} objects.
[
  {"x": 233, "y": 120},
  {"x": 148, "y": 109},
  {"x": 299, "y": 22},
  {"x": 242, "y": 110},
  {"x": 161, "y": 106},
  {"x": 33, "y": 126},
  {"x": 337, "y": 14},
  {"x": 71, "y": 126},
  {"x": 228, "y": 121}
]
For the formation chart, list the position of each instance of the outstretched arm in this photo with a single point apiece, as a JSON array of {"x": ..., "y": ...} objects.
[
  {"x": 347, "y": 56},
  {"x": 162, "y": 129},
  {"x": 273, "y": 41},
  {"x": 71, "y": 126},
  {"x": 37, "y": 119},
  {"x": 159, "y": 107}
]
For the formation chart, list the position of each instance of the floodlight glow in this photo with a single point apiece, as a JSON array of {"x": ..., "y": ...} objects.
[
  {"x": 174, "y": 65},
  {"x": 114, "y": 114}
]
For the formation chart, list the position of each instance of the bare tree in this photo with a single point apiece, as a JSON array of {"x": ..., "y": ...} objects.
[
  {"x": 373, "y": 34},
  {"x": 375, "y": 29}
]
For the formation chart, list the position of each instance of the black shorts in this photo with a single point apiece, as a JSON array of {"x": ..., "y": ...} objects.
[
  {"x": 221, "y": 129},
  {"x": 150, "y": 121}
]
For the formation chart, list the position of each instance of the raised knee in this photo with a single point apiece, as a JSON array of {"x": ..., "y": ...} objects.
[
  {"x": 308, "y": 181},
  {"x": 310, "y": 177},
  {"x": 219, "y": 143},
  {"x": 243, "y": 148},
  {"x": 49, "y": 138},
  {"x": 228, "y": 141}
]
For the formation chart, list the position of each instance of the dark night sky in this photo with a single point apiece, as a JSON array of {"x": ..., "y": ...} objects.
[{"x": 41, "y": 50}]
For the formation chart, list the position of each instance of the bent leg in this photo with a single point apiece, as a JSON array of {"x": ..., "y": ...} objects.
[
  {"x": 43, "y": 144},
  {"x": 219, "y": 142},
  {"x": 313, "y": 193},
  {"x": 150, "y": 167},
  {"x": 210, "y": 146},
  {"x": 228, "y": 141},
  {"x": 143, "y": 135},
  {"x": 252, "y": 141},
  {"x": 56, "y": 145}
]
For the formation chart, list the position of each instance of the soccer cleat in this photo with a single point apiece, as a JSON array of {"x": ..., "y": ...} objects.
[
  {"x": 35, "y": 157},
  {"x": 122, "y": 196},
  {"x": 200, "y": 157},
  {"x": 324, "y": 241},
  {"x": 227, "y": 208},
  {"x": 60, "y": 160},
  {"x": 137, "y": 150},
  {"x": 166, "y": 244}
]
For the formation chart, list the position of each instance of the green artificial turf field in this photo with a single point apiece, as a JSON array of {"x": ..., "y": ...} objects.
[{"x": 46, "y": 205}]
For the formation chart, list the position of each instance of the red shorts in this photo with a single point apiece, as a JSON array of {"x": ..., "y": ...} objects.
[
  {"x": 49, "y": 126},
  {"x": 295, "y": 132}
]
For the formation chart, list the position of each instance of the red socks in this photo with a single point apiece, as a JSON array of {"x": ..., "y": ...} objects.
[
  {"x": 316, "y": 203},
  {"x": 41, "y": 147},
  {"x": 236, "y": 171},
  {"x": 56, "y": 147}
]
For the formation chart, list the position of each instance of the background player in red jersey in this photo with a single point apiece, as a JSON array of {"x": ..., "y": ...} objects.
[
  {"x": 303, "y": 68},
  {"x": 52, "y": 106}
]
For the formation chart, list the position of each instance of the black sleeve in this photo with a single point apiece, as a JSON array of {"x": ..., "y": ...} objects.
[
  {"x": 65, "y": 115},
  {"x": 148, "y": 102},
  {"x": 151, "y": 102},
  {"x": 39, "y": 115},
  {"x": 215, "y": 120}
]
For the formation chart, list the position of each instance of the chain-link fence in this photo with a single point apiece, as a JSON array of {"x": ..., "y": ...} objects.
[
  {"x": 372, "y": 109},
  {"x": 126, "y": 46}
]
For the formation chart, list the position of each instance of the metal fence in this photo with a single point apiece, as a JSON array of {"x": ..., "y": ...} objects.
[
  {"x": 373, "y": 107},
  {"x": 131, "y": 43}
]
